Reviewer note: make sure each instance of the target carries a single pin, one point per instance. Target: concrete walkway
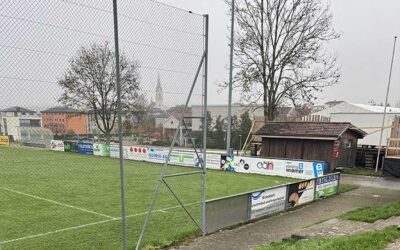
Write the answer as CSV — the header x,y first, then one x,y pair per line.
x,y
286,224
372,181
340,227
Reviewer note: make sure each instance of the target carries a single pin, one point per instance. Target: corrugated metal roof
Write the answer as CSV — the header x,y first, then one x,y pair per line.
x,y
377,109
347,108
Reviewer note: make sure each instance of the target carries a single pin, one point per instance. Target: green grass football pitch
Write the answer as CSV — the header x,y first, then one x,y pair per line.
x,y
56,200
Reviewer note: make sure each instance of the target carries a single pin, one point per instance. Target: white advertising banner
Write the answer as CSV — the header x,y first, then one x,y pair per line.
x,y
137,153
182,158
281,167
114,151
213,161
267,202
57,145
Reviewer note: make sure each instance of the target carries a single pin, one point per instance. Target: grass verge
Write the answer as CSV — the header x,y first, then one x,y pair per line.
x,y
372,214
361,171
373,240
343,188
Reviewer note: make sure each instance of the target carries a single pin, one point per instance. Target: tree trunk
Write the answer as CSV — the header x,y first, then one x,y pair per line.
x,y
108,137
265,103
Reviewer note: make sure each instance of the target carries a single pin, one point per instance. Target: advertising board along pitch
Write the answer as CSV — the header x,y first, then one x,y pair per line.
x,y
57,145
282,167
4,140
223,212
85,148
137,153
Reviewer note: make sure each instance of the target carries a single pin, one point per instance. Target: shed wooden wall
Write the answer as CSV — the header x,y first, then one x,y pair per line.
x,y
347,154
309,149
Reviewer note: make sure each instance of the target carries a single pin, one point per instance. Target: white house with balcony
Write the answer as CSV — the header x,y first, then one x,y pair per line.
x,y
15,117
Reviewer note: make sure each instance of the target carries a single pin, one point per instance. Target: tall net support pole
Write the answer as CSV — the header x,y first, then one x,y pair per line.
x,y
121,159
163,170
384,111
203,176
229,125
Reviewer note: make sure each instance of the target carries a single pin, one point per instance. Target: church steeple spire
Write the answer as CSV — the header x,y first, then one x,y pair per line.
x,y
159,93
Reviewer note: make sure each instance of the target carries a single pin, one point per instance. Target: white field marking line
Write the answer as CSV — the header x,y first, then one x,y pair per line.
x,y
56,202
162,210
57,231
90,224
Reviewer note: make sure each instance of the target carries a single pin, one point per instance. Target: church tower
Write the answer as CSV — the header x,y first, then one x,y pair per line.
x,y
159,93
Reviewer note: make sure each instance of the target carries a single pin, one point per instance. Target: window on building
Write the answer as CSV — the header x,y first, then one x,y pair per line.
x,y
24,122
35,123
5,126
351,143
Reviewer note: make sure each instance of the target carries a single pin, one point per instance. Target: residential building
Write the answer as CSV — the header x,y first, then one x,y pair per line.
x,y
63,120
12,119
171,124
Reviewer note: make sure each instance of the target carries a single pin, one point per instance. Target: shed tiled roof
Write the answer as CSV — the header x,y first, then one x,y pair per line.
x,y
308,129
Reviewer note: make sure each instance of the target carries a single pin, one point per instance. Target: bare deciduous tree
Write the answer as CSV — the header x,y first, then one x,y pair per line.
x,y
280,54
90,83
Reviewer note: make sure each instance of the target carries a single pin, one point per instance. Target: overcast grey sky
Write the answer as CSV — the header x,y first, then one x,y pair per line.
x,y
364,50
37,39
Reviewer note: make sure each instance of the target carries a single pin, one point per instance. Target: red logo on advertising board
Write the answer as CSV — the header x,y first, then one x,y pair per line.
x,y
138,150
335,154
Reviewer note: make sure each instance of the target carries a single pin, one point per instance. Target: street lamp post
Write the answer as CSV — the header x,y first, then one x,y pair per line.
x,y
240,144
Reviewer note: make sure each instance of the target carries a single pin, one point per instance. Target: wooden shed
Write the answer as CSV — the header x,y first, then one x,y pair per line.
x,y
333,142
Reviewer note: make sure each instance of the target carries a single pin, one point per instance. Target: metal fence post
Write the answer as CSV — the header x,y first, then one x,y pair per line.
x,y
121,159
229,123
384,110
203,176
315,188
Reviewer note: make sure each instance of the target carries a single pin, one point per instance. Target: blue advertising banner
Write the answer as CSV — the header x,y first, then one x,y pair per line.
x,y
85,148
